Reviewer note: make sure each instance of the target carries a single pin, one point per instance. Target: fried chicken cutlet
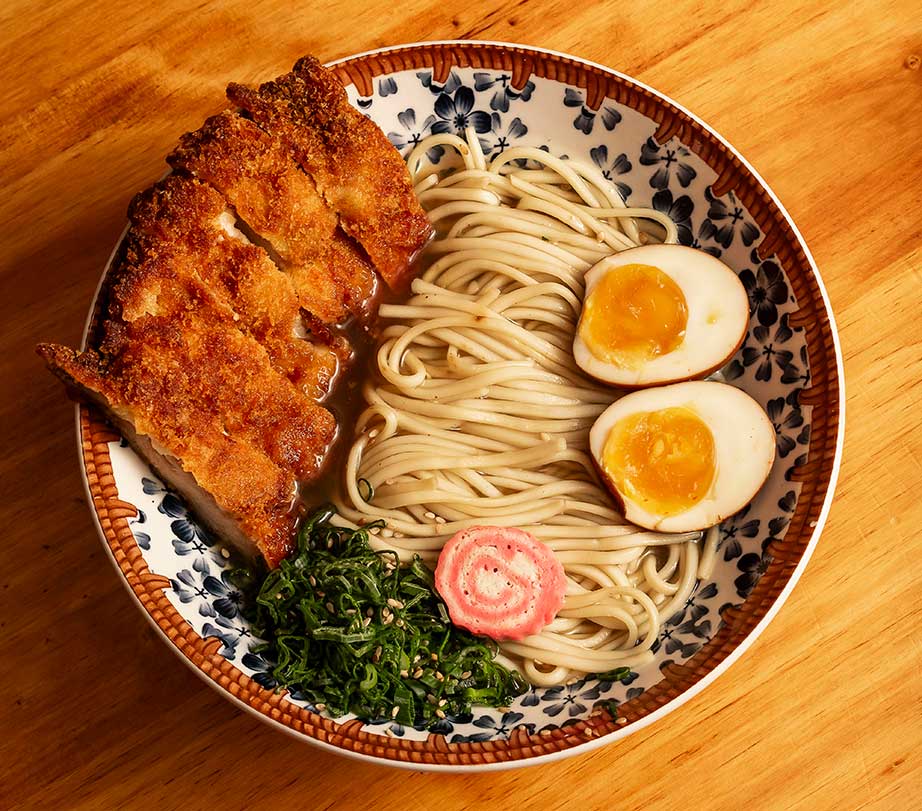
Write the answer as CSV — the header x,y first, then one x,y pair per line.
x,y
201,402
356,169
219,322
184,225
257,174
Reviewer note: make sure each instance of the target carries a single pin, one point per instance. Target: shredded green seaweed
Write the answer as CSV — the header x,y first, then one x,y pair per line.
x,y
352,631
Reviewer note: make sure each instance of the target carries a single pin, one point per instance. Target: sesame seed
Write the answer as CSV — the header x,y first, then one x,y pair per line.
x,y
376,656
466,674
404,674
439,676
545,733
443,702
373,433
400,623
321,707
388,619
370,612
394,603
225,552
312,580
429,515
350,612
416,658
434,657
504,710
389,732
330,607
366,622
440,713
395,712
431,698
621,721
417,673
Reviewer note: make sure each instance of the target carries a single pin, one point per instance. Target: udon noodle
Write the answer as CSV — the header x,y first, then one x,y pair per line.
x,y
480,415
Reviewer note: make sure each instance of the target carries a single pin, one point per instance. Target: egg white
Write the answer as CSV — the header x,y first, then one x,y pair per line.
x,y
718,314
744,449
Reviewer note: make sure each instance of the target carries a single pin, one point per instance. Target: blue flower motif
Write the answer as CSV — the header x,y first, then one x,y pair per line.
x,y
172,506
497,731
766,289
186,585
405,141
151,486
792,373
673,644
619,166
228,633
737,527
586,118
142,538
229,598
679,211
531,698
571,697
652,153
778,524
785,416
504,93
515,129
456,113
752,566
450,86
696,243
728,218
261,666
387,86
768,350
800,461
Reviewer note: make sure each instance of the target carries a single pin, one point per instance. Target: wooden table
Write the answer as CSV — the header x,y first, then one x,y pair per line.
x,y
825,711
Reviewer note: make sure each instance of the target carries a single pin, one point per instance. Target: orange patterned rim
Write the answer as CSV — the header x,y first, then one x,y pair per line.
x,y
817,474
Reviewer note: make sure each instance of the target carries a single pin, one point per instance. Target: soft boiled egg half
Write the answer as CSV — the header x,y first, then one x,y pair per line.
x,y
659,314
683,457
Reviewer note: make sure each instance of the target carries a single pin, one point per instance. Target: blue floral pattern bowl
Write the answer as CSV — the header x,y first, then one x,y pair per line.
x,y
657,155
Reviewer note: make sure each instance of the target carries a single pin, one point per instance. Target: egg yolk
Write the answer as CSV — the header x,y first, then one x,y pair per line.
x,y
662,460
634,314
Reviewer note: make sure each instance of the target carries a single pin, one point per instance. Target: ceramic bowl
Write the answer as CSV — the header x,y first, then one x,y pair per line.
x,y
658,155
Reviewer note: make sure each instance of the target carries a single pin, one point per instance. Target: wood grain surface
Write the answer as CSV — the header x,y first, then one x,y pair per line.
x,y
824,711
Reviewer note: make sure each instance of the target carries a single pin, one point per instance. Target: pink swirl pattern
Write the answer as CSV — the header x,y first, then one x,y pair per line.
x,y
500,582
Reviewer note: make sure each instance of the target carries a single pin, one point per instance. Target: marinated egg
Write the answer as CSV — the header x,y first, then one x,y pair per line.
x,y
683,457
659,314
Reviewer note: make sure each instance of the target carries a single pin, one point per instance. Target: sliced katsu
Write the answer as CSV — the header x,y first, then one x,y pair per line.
x,y
183,228
354,166
219,328
258,176
199,399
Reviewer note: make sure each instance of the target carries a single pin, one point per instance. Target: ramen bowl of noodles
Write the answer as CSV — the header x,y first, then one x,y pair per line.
x,y
476,405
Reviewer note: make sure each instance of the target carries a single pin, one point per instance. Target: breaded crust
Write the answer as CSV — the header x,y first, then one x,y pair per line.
x,y
251,489
257,174
183,226
184,341
355,168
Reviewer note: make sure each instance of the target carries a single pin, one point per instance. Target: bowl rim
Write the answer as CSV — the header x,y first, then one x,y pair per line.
x,y
669,706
